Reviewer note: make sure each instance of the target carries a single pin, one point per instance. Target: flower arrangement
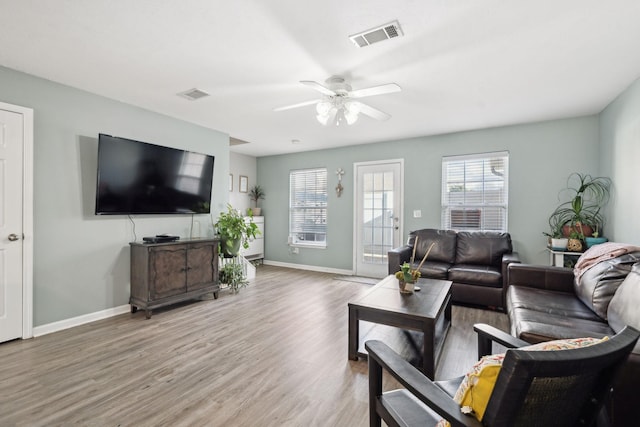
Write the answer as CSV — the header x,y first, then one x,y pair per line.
x,y
406,274
409,275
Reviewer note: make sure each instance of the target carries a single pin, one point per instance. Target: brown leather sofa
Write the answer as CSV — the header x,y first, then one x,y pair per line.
x,y
475,261
546,303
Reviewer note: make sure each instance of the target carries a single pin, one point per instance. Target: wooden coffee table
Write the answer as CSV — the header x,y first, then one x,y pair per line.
x,y
427,311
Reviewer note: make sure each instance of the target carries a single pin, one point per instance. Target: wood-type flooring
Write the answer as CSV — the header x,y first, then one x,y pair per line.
x,y
273,355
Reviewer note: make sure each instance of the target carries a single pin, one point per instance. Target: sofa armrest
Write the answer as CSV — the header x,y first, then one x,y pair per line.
x,y
506,260
559,279
398,256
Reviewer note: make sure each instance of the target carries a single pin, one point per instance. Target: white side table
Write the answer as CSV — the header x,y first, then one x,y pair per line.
x,y
556,258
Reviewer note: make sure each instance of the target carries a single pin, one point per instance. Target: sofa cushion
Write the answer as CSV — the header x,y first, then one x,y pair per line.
x,y
433,269
549,302
624,308
597,285
483,275
482,247
444,249
536,326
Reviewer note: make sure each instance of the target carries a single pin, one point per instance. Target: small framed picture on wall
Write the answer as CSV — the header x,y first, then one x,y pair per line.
x,y
244,184
230,182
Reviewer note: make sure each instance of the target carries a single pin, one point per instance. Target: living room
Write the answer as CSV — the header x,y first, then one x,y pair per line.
x,y
81,261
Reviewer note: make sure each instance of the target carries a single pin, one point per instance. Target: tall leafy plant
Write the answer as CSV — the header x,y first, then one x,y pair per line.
x,y
585,196
234,231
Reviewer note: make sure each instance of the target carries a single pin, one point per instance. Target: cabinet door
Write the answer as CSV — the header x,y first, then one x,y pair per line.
x,y
168,268
201,271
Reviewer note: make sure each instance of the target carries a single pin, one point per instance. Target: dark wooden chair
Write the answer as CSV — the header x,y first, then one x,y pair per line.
x,y
534,388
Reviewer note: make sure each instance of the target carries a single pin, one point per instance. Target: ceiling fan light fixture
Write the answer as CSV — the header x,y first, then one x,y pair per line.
x,y
340,117
351,112
323,108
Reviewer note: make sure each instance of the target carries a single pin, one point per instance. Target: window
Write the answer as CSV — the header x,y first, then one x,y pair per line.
x,y
308,207
475,192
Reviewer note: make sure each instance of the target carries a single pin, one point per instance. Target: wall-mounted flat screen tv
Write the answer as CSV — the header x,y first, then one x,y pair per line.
x,y
136,177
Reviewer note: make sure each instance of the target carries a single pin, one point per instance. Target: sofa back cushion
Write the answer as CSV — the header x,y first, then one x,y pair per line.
x,y
597,285
482,247
444,249
624,308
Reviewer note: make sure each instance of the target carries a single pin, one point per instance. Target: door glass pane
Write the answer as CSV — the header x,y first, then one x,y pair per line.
x,y
378,224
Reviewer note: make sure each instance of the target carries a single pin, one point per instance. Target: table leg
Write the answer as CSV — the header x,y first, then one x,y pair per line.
x,y
428,350
353,333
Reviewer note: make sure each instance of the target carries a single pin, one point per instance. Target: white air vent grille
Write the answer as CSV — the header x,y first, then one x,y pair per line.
x,y
193,94
378,34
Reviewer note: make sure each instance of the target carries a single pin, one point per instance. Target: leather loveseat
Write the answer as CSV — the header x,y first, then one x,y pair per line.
x,y
546,303
475,261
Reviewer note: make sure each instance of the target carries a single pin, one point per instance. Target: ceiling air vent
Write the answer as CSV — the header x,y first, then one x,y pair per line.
x,y
193,94
378,34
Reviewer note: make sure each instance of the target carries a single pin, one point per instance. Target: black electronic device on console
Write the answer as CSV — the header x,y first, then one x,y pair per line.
x,y
160,238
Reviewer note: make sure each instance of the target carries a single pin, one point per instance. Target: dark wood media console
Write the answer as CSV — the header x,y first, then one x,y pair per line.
x,y
172,272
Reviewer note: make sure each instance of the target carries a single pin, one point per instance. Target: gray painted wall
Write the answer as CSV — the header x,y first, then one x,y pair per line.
x,y
620,157
542,155
81,261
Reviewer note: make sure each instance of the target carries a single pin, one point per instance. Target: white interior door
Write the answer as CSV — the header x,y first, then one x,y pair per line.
x,y
11,227
378,210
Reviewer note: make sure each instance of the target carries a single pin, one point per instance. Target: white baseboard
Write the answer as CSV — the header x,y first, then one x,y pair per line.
x,y
309,267
110,312
80,320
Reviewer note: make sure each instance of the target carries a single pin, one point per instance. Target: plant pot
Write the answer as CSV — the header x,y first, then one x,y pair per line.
x,y
406,287
586,230
591,241
256,211
559,244
230,248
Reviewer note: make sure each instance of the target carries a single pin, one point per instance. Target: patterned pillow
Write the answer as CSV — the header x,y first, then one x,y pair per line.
x,y
476,387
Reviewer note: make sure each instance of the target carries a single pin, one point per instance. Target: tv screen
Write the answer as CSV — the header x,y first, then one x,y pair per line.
x,y
136,177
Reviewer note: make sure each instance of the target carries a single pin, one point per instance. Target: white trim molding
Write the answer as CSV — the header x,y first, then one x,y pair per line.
x,y
80,320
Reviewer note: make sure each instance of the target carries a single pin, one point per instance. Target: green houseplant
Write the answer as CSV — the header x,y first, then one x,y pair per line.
x,y
585,196
232,274
234,231
256,193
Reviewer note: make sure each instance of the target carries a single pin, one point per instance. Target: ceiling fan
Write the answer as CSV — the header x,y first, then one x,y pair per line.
x,y
338,103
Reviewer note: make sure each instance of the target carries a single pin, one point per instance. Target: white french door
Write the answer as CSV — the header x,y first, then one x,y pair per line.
x,y
378,214
16,133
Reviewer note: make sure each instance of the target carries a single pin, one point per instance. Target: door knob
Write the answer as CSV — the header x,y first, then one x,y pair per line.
x,y
12,237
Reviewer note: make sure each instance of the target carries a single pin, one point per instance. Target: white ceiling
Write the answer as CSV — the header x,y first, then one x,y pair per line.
x,y
462,64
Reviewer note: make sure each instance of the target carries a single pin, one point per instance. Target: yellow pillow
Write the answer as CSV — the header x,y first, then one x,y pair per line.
x,y
474,392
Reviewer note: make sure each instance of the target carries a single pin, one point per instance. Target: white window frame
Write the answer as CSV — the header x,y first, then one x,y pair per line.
x,y
486,162
304,208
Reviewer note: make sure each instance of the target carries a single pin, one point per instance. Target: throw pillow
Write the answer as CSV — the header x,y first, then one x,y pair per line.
x,y
623,309
475,390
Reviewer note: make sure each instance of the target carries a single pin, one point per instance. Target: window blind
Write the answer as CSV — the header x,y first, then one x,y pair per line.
x,y
308,207
475,192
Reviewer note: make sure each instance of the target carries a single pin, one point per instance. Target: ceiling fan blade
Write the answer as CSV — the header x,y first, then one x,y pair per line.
x,y
301,104
375,90
373,112
317,86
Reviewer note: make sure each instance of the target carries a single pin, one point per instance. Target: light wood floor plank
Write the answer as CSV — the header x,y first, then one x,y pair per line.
x,y
273,355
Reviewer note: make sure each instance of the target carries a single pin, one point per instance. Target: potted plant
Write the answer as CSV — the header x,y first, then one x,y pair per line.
x,y
234,231
585,197
232,274
256,193
557,240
